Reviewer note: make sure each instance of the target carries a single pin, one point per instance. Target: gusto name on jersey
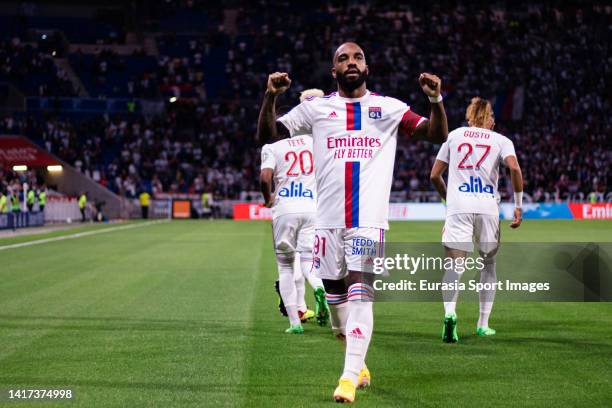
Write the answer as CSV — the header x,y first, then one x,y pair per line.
x,y
295,190
476,135
475,185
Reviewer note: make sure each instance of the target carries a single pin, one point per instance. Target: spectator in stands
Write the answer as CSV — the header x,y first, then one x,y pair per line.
x,y
203,141
33,71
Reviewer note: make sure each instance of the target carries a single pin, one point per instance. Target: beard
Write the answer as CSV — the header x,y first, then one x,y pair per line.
x,y
350,85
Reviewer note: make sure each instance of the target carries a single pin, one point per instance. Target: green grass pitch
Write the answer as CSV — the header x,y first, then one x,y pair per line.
x,y
184,314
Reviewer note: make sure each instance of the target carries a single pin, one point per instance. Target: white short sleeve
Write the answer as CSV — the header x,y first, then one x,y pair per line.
x,y
268,161
299,119
507,148
444,154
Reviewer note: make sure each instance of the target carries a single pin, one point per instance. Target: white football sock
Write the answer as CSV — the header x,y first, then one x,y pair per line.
x,y
306,266
359,325
338,308
300,286
287,287
450,296
486,297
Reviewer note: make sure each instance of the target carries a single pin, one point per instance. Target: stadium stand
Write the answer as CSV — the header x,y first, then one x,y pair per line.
x,y
539,65
32,69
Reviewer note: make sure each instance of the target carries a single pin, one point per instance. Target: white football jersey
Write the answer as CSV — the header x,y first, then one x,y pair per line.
x,y
473,156
354,142
294,176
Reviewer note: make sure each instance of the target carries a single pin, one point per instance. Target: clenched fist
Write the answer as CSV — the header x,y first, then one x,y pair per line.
x,y
278,83
430,83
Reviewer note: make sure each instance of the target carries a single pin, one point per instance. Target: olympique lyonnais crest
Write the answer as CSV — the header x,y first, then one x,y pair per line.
x,y
374,112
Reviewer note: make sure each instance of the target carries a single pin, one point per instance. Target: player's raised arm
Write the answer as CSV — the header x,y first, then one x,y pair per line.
x,y
435,129
517,186
278,83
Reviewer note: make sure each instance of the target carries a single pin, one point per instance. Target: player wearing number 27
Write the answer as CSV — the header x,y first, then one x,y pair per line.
x,y
473,155
354,134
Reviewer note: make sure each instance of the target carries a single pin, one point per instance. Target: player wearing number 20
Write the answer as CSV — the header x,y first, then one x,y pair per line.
x,y
473,155
289,164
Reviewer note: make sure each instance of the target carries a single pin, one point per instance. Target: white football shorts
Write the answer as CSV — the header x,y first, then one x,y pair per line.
x,y
293,233
462,230
336,251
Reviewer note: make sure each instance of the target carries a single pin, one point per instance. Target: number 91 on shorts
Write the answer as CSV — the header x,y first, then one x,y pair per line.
x,y
336,251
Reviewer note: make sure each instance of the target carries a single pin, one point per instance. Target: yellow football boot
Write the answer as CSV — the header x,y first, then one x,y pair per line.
x,y
345,391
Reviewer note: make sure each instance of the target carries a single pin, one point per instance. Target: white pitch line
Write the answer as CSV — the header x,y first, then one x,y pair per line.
x,y
80,235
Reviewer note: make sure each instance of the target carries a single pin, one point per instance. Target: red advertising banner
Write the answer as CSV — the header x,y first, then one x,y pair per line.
x,y
244,211
598,211
17,150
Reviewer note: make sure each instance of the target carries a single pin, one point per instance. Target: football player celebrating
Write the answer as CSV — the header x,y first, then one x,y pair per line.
x,y
354,134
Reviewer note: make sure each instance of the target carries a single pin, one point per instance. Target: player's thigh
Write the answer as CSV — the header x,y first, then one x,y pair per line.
x,y
487,233
458,232
361,247
305,235
284,230
328,254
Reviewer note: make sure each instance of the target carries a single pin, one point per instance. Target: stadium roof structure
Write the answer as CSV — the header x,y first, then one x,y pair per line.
x,y
19,151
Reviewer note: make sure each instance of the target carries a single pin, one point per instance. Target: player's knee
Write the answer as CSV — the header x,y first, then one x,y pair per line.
x,y
283,247
354,277
488,258
488,250
285,260
334,286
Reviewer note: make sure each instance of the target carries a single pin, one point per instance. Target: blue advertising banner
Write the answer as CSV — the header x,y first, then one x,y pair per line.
x,y
538,211
21,220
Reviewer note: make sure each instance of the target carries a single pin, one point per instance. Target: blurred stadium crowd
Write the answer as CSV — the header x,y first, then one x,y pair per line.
x,y
546,68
